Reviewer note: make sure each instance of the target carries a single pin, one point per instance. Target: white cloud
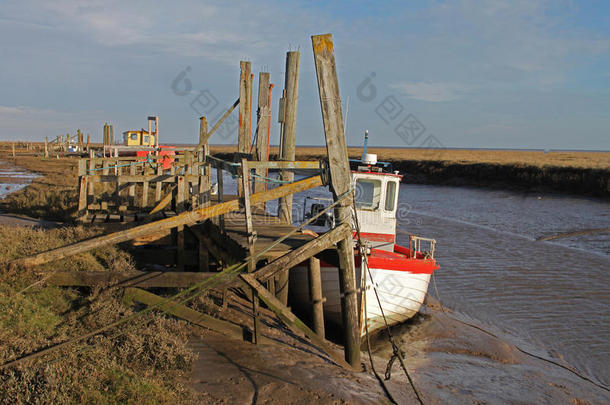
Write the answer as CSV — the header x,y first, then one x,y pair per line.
x,y
225,31
431,91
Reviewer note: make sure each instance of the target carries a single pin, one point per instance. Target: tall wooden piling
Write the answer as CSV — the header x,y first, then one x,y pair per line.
x,y
46,146
287,151
245,106
315,295
340,178
204,178
262,128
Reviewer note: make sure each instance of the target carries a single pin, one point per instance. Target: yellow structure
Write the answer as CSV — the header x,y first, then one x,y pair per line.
x,y
139,138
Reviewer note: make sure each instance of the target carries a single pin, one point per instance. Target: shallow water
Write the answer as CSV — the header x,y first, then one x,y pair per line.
x,y
13,179
548,297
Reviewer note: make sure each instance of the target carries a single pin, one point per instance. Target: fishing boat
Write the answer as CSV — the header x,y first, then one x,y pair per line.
x,y
393,279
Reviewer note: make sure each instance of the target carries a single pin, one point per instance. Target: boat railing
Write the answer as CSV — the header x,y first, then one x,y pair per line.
x,y
416,243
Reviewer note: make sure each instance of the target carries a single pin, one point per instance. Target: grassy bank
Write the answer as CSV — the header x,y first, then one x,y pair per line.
x,y
142,363
565,172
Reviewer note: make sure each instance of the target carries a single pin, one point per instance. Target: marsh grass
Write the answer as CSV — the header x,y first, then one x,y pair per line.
x,y
141,362
585,160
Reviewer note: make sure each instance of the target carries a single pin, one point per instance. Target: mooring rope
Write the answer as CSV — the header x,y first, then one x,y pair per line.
x,y
397,353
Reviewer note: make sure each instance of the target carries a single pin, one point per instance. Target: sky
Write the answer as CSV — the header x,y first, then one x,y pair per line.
x,y
463,73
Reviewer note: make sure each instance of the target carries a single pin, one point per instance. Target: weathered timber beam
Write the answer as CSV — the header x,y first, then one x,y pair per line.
x,y
222,164
185,218
164,202
184,312
141,279
303,252
123,178
206,138
294,323
296,165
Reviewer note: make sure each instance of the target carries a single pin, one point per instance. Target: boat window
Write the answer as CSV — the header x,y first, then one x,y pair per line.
x,y
390,196
146,139
368,194
134,137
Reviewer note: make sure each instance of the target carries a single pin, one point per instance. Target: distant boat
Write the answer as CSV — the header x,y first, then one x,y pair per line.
x,y
398,276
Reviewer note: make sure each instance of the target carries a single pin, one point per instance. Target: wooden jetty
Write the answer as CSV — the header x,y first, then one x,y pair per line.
x,y
227,241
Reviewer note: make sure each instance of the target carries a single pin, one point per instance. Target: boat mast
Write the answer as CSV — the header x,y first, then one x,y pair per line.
x,y
366,143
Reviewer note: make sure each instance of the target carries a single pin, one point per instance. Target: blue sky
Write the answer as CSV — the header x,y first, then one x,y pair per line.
x,y
464,73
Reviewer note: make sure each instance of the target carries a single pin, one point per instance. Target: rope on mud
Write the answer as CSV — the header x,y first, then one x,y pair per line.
x,y
397,353
571,370
198,288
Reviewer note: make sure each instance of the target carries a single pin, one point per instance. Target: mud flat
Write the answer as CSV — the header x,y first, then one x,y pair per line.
x,y
449,362
558,171
452,362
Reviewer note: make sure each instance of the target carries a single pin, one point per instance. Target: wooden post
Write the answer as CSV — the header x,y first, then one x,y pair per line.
x,y
46,146
82,190
221,197
79,135
132,186
13,149
158,184
204,179
91,190
287,151
245,106
111,135
88,142
245,180
262,132
180,259
145,191
315,295
340,177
